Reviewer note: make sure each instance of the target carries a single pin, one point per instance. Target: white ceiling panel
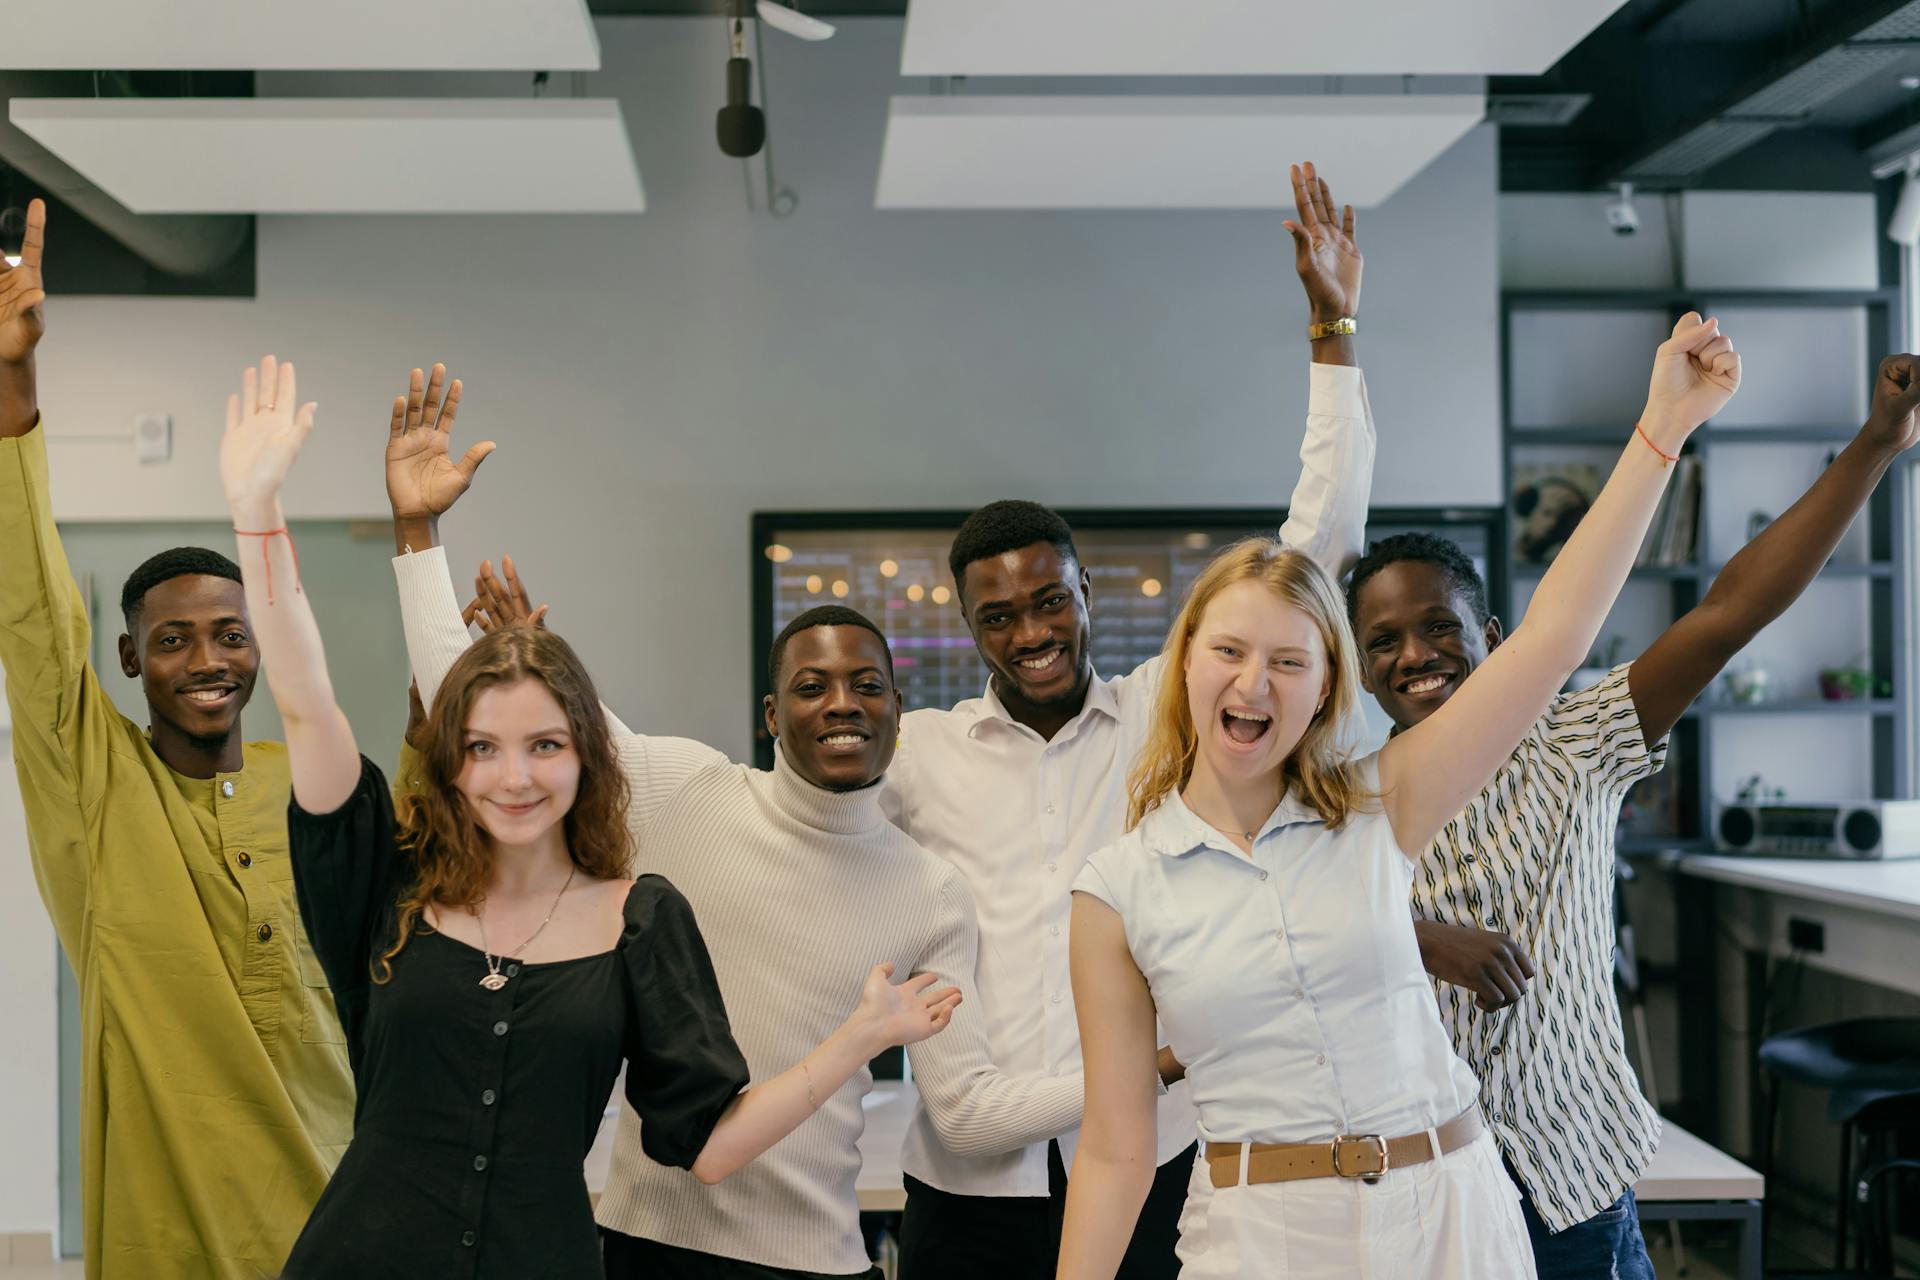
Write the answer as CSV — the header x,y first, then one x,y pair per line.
x,y
1243,37
1156,152
312,35
340,155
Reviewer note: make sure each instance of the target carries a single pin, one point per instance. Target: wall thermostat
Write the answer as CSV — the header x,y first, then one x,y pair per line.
x,y
153,437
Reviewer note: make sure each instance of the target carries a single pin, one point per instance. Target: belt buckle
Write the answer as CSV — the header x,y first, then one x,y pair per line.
x,y
1365,1142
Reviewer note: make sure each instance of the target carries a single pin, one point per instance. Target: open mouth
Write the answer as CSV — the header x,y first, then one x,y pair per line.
x,y
1427,685
210,695
843,740
1245,727
1041,664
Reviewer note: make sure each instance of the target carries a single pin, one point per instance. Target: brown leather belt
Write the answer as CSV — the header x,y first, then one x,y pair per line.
x,y
1354,1155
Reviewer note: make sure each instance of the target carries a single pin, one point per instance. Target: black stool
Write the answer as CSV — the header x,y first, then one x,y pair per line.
x,y
1865,1205
1870,1068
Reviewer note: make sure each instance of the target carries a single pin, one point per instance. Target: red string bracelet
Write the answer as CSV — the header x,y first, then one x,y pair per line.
x,y
1668,458
267,562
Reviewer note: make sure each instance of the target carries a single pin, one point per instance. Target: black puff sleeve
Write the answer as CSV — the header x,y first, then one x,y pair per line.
x,y
345,877
683,1067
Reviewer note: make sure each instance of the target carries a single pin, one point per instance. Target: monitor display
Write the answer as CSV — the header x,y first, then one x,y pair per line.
x,y
893,568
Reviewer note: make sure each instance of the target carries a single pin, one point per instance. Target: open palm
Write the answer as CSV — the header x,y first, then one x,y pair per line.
x,y
906,1012
264,435
422,480
22,316
1325,252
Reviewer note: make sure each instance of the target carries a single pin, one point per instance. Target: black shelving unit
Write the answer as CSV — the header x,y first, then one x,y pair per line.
x,y
1884,571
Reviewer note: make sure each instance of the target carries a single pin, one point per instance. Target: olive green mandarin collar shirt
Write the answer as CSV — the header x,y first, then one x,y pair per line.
x,y
215,1095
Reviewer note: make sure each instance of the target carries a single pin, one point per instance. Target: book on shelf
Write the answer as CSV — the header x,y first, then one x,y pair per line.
x,y
1673,536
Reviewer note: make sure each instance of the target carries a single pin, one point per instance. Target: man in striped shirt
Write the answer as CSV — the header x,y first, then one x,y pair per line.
x,y
1527,869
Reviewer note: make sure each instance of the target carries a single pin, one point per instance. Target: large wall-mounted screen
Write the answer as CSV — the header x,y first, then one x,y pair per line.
x,y
892,566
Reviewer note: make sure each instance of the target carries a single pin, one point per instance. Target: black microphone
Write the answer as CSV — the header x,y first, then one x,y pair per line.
x,y
741,126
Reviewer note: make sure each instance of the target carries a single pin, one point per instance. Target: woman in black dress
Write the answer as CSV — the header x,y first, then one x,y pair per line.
x,y
482,1074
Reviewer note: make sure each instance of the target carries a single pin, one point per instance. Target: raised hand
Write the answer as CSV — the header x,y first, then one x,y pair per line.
x,y
263,437
415,734
1896,392
22,317
496,604
1695,373
905,1012
422,481
1324,251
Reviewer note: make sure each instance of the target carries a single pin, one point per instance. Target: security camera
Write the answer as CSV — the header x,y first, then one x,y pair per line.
x,y
1621,215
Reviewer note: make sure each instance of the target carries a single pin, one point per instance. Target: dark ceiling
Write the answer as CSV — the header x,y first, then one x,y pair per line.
x,y
1658,69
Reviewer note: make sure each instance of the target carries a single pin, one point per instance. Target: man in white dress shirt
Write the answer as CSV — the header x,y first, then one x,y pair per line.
x,y
1017,787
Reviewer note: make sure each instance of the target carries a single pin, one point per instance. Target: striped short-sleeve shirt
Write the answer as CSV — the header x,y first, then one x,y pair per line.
x,y
1532,856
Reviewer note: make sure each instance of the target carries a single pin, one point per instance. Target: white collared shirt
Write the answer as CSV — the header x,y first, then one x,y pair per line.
x,y
1287,980
1019,815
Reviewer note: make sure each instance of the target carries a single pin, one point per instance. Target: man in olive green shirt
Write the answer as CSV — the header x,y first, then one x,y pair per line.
x,y
215,1094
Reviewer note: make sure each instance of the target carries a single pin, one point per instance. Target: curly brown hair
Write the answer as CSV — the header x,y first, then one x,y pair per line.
x,y
450,852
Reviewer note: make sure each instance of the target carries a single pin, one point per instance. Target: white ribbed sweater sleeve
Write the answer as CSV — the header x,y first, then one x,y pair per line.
x,y
656,767
975,1108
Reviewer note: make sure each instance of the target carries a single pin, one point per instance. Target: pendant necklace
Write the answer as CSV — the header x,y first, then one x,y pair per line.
x,y
496,979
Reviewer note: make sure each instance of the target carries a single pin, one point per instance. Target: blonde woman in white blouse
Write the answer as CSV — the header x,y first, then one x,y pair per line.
x,y
1257,906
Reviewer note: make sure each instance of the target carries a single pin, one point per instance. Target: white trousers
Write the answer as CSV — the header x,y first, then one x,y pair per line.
x,y
1455,1218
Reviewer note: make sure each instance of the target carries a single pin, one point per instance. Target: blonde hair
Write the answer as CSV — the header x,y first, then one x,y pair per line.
x,y
1316,768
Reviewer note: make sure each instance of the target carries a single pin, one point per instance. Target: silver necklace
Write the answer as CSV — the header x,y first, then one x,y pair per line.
x,y
496,979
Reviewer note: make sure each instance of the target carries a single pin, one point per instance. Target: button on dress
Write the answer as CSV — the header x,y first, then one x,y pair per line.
x,y
476,1107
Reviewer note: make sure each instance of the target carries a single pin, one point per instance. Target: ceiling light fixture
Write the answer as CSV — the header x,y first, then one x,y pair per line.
x,y
790,20
1903,227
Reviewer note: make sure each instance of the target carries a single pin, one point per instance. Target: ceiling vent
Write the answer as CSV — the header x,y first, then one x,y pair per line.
x,y
1536,110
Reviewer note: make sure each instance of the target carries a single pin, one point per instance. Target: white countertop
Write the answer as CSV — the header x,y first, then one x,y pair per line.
x,y
1890,887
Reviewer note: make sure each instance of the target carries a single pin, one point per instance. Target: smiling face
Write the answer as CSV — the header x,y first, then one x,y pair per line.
x,y
834,707
1027,610
192,651
1419,637
1257,672
520,771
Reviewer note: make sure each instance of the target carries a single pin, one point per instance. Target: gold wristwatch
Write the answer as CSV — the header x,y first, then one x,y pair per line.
x,y
1328,328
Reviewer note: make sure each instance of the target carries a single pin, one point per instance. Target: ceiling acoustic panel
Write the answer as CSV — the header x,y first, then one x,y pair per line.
x,y
342,155
1156,152
299,35
1243,37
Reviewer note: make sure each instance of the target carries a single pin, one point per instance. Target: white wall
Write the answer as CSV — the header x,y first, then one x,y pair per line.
x,y
29,1083
654,380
